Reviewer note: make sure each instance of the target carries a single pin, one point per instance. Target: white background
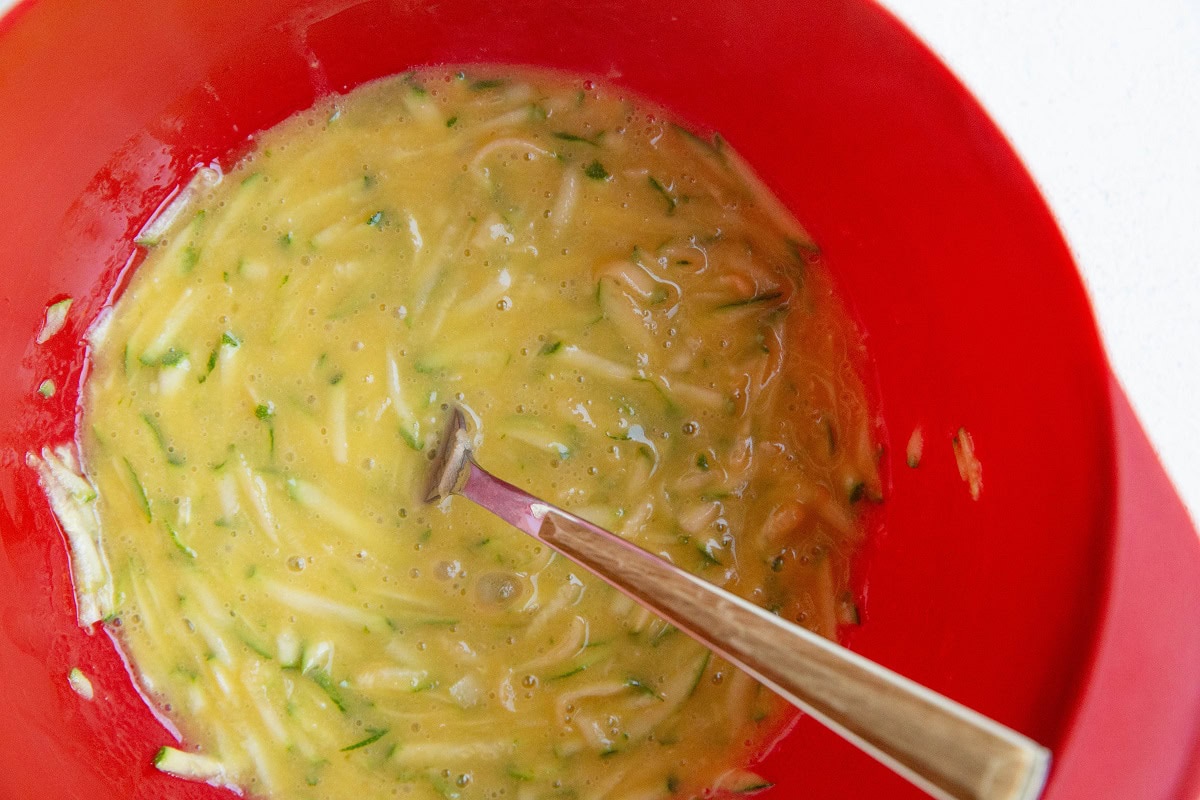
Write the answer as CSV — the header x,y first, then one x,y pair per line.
x,y
1102,101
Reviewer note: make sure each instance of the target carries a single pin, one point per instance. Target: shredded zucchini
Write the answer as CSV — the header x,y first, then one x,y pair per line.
x,y
638,336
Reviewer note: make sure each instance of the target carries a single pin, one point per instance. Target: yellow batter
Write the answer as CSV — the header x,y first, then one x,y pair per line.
x,y
644,341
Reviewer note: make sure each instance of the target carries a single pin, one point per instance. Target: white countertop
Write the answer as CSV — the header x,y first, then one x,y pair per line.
x,y
1101,99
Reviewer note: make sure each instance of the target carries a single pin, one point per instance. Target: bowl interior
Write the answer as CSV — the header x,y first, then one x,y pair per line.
x,y
936,236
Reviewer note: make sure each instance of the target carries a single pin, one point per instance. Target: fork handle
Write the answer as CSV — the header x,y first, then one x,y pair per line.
x,y
948,750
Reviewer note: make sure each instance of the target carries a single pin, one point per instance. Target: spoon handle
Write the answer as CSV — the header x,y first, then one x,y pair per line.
x,y
950,751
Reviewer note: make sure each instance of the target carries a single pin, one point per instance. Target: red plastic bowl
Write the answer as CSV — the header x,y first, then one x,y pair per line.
x,y
1062,603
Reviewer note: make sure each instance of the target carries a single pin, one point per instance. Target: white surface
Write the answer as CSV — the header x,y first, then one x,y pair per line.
x,y
1101,100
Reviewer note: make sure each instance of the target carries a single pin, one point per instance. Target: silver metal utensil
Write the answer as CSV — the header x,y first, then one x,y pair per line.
x,y
943,747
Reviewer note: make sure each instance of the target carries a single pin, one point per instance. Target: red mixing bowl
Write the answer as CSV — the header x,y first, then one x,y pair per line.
x,y
1062,602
